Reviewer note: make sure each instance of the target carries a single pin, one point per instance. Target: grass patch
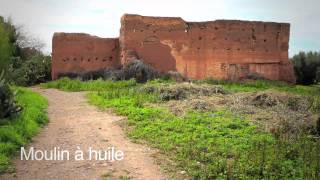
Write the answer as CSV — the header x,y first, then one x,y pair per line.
x,y
18,130
214,144
261,85
67,84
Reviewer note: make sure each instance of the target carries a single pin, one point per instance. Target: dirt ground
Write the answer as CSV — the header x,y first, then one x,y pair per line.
x,y
73,123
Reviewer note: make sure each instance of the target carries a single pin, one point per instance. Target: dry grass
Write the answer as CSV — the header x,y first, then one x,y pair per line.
x,y
283,114
279,113
182,91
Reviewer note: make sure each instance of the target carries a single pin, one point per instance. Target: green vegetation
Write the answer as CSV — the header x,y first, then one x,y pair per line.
x,y
18,130
67,84
262,85
33,71
135,69
22,112
21,57
211,144
5,46
311,92
124,178
307,67
8,105
109,176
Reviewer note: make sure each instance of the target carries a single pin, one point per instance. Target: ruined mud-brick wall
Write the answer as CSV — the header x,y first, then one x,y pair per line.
x,y
79,53
222,49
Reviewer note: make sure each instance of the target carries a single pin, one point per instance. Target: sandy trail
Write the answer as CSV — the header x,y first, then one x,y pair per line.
x,y
73,123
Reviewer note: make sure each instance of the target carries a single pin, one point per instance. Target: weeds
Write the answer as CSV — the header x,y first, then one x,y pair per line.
x,y
8,106
21,128
136,69
181,91
107,176
124,178
261,85
214,143
207,144
97,85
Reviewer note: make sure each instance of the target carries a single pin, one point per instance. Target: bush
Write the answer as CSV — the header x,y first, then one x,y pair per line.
x,y
21,56
175,76
139,71
8,105
181,91
33,71
134,70
106,74
255,76
318,126
318,75
306,66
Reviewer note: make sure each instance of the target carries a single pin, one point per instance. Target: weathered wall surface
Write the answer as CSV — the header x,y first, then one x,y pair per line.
x,y
78,53
223,49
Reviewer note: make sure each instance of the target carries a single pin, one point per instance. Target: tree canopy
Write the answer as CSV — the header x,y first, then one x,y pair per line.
x,y
307,67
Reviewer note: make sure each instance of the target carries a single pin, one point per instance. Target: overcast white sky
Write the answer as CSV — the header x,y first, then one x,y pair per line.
x,y
42,18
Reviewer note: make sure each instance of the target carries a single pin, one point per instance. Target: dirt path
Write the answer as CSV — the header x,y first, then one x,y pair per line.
x,y
73,122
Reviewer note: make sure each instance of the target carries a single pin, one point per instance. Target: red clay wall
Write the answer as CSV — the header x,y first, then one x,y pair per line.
x,y
223,49
78,53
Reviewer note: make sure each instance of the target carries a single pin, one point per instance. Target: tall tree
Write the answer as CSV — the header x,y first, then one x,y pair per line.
x,y
5,46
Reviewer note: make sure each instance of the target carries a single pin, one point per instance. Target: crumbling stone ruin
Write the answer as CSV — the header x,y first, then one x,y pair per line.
x,y
221,49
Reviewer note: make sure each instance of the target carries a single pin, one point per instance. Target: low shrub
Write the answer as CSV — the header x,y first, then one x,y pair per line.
x,y
33,71
175,76
140,71
106,74
8,106
255,76
136,69
318,126
264,100
306,66
181,91
318,75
